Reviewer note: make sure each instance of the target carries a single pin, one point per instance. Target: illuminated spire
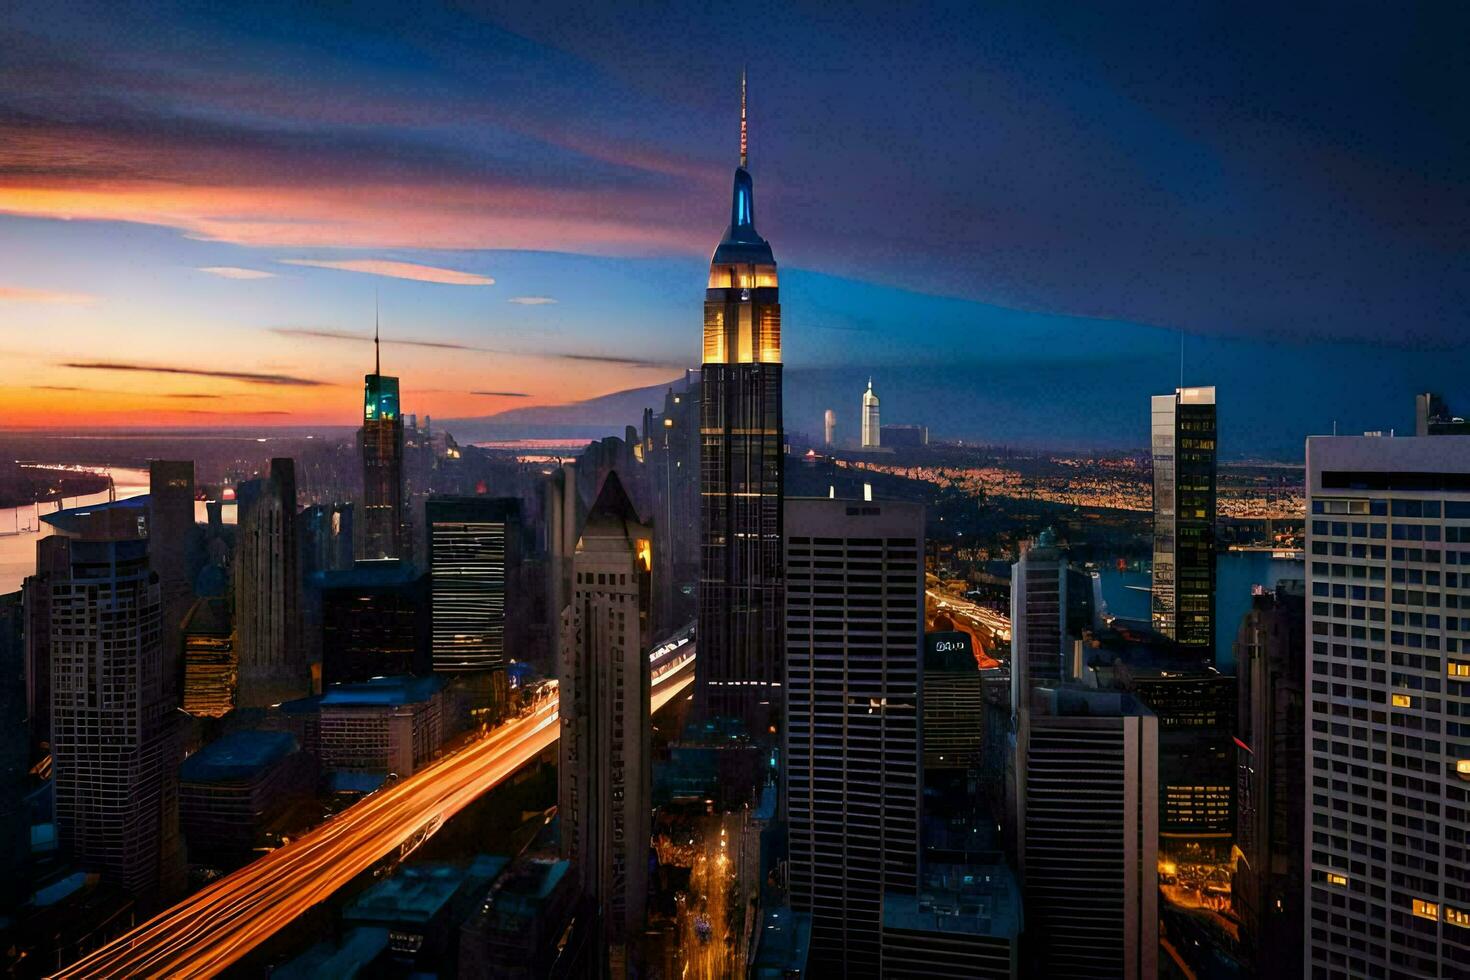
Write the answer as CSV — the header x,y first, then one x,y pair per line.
x,y
377,349
743,143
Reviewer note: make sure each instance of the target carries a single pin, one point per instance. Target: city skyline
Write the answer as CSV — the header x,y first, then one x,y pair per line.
x,y
499,218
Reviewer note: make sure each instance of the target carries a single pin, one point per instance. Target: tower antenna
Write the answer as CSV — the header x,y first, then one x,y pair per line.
x,y
377,349
744,145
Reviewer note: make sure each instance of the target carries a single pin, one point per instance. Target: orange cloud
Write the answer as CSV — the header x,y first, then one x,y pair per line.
x,y
399,270
18,294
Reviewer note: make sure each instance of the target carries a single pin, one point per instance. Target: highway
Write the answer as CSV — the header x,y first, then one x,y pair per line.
x,y
207,932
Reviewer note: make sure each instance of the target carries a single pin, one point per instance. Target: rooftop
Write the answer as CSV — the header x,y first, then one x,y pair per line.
x,y
417,893
385,691
86,519
979,900
359,949
236,756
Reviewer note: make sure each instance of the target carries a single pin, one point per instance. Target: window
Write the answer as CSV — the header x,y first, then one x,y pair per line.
x,y
1426,910
1457,917
1336,879
1403,701
1458,668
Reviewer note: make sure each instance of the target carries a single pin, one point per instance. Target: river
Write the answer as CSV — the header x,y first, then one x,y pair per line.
x,y
1235,573
18,550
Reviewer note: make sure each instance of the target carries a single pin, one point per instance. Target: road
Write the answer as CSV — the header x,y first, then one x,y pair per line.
x,y
210,930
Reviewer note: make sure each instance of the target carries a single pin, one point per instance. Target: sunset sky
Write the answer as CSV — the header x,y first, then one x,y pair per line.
x,y
198,204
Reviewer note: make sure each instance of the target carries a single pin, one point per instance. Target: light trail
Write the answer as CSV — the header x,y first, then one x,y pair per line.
x,y
217,926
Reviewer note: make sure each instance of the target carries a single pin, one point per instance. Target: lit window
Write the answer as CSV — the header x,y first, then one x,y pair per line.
x,y
1402,701
1457,917
1336,879
1426,910
1462,768
1459,668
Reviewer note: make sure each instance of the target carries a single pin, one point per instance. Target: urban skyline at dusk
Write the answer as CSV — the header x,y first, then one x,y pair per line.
x,y
527,206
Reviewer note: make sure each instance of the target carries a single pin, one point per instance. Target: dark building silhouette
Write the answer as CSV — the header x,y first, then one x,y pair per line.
x,y
14,753
1184,452
381,441
52,560
374,621
1270,659
267,581
1432,417
739,670
326,538
671,442
170,537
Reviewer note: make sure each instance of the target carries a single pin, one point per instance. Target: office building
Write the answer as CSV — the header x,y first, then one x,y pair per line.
x,y
1087,826
236,789
515,932
418,906
1432,417
1184,452
671,459
904,436
384,726
1388,708
267,582
606,792
474,549
326,538
854,652
872,431
741,474
15,751
954,704
382,514
114,745
1266,888
964,923
374,621
211,668
829,428
1039,644
170,535
53,562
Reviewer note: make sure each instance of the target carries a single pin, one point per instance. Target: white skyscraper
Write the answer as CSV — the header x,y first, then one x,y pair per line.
x,y
829,428
871,435
1388,709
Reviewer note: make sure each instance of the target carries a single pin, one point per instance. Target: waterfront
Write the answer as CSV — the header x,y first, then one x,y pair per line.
x,y
18,550
1236,572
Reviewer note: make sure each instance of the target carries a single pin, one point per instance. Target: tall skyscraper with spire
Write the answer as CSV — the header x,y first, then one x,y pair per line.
x,y
741,479
382,463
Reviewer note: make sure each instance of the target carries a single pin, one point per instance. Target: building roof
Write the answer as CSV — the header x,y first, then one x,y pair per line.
x,y
239,755
86,519
977,900
209,616
373,574
359,949
416,893
386,691
741,244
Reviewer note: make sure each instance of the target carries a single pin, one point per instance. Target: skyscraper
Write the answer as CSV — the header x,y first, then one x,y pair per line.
x,y
671,456
267,581
1087,844
606,764
1266,889
382,517
170,527
114,744
474,544
872,430
1184,517
854,626
1038,616
741,473
1388,682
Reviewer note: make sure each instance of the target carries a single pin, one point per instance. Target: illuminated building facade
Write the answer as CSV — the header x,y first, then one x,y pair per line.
x,y
854,655
1184,452
382,517
741,475
872,431
829,428
210,665
606,769
474,546
1387,818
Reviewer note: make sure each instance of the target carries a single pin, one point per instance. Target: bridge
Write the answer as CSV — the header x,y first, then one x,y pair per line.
x,y
217,926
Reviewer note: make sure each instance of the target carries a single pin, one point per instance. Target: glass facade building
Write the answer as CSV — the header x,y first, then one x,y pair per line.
x,y
473,543
382,470
1184,453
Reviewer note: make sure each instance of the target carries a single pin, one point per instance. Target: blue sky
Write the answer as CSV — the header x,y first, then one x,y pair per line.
x,y
1051,190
